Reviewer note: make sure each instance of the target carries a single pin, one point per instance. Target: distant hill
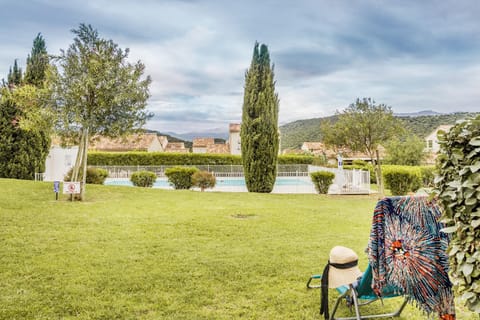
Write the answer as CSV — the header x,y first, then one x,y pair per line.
x,y
419,114
293,134
170,138
215,133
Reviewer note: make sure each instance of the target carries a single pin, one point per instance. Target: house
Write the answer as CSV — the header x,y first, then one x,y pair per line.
x,y
218,148
148,142
200,145
315,148
234,139
59,161
431,141
176,147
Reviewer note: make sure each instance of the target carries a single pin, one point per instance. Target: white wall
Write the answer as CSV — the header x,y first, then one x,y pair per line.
x,y
58,162
234,142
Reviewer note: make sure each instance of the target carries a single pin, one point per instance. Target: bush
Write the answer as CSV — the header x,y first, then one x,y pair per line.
x,y
457,185
94,175
180,177
428,176
402,179
203,180
186,159
322,180
144,179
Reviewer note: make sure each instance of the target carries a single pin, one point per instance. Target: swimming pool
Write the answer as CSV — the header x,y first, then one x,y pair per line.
x,y
282,184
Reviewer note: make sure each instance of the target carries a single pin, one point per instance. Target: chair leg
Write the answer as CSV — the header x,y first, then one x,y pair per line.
x,y
355,302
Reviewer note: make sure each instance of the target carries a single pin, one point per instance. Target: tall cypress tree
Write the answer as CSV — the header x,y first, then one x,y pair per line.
x,y
15,76
259,130
37,62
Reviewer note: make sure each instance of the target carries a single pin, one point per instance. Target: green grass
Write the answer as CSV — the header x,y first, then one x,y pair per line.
x,y
133,253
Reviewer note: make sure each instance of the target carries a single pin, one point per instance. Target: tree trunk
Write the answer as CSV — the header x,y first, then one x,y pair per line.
x,y
83,185
381,191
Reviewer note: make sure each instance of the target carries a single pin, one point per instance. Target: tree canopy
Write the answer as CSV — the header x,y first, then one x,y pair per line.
x,y
37,63
259,129
97,92
363,126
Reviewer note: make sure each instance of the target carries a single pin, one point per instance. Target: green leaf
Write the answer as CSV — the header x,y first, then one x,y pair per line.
x,y
474,168
475,142
449,229
467,269
475,223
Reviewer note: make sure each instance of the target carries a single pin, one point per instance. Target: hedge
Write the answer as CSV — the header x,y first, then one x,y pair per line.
x,y
402,179
164,158
458,188
94,175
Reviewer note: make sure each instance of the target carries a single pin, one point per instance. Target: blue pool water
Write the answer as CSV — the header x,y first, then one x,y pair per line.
x,y
221,182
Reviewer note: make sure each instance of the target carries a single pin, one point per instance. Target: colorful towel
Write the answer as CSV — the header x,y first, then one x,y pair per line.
x,y
407,250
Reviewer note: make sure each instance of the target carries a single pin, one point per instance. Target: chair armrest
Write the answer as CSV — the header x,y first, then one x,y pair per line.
x,y
314,277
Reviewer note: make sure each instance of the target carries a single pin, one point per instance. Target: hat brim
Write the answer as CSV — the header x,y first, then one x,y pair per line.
x,y
340,277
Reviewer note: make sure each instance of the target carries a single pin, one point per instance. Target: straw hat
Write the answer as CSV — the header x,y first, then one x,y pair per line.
x,y
343,269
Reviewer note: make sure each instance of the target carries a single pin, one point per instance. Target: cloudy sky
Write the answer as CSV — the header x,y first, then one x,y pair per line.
x,y
411,55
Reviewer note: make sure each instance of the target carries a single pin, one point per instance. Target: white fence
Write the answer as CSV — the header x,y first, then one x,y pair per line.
x,y
347,181
284,170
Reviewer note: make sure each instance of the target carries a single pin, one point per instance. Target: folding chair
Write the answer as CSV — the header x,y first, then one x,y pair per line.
x,y
359,294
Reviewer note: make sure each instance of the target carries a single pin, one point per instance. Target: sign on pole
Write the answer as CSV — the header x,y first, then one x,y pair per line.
x,y
71,187
56,188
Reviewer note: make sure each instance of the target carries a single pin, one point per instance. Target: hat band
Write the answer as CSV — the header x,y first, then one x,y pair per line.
x,y
324,295
347,265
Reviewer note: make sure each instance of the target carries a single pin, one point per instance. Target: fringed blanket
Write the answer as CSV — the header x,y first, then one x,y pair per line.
x,y
407,250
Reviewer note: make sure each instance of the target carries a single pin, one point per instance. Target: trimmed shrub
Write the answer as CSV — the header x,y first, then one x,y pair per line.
x,y
94,175
187,159
203,180
428,176
458,188
402,179
322,180
144,179
180,177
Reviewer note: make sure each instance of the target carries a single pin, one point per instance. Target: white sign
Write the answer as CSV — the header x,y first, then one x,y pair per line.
x,y
71,187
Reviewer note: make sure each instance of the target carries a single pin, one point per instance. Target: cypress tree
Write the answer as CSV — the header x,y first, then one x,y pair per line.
x,y
15,76
37,62
259,129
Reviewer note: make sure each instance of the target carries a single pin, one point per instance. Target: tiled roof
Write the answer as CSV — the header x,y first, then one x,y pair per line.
x,y
135,142
314,145
176,147
220,148
203,142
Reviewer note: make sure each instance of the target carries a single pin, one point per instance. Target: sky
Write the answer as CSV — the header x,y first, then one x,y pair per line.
x,y
410,55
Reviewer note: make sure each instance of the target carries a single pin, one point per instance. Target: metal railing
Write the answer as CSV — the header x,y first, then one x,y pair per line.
x,y
284,170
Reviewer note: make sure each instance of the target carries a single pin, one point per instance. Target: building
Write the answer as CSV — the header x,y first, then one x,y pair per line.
x,y
200,145
176,147
431,141
234,139
315,148
148,142
218,148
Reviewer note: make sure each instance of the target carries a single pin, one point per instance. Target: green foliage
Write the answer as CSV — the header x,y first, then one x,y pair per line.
x,y
37,63
428,175
15,76
180,177
402,179
322,180
259,131
297,132
458,188
144,179
203,180
164,158
406,151
94,175
363,126
98,92
22,151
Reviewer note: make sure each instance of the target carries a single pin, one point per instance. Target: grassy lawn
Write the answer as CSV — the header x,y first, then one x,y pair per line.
x,y
132,253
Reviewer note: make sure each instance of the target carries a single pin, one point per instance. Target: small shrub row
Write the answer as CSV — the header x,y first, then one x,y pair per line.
x,y
322,180
180,177
184,159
